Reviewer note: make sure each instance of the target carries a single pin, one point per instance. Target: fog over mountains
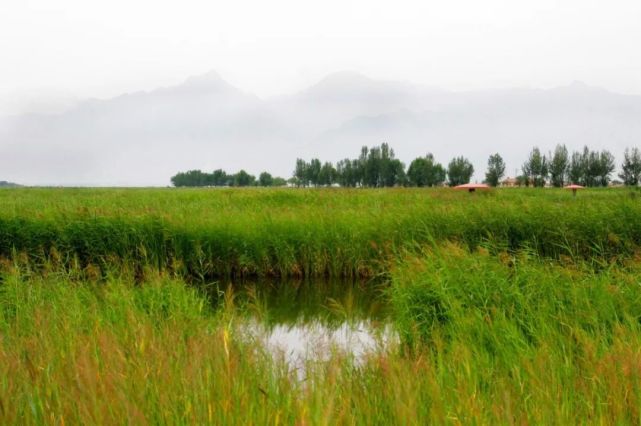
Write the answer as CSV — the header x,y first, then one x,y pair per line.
x,y
144,138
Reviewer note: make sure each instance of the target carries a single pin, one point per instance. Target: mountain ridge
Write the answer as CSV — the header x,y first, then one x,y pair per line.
x,y
204,122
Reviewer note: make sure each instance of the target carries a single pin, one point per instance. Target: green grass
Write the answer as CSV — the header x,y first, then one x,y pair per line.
x,y
78,351
515,306
510,303
208,233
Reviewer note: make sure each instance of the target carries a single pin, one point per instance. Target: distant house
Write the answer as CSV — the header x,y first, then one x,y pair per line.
x,y
509,182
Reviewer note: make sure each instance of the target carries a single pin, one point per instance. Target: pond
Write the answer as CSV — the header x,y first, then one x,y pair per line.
x,y
299,321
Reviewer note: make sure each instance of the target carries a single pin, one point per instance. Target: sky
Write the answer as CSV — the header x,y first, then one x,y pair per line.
x,y
56,50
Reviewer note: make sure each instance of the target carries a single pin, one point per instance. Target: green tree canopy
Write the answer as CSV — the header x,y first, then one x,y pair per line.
x,y
631,167
242,178
559,165
536,168
459,171
425,171
495,170
265,179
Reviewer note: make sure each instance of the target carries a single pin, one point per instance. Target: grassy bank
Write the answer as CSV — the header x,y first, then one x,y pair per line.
x,y
209,233
510,303
79,351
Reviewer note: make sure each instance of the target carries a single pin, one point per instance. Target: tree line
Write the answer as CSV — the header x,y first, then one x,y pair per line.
x,y
378,167
221,178
585,167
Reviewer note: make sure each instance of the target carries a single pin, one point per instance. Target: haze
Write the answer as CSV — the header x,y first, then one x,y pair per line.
x,y
57,54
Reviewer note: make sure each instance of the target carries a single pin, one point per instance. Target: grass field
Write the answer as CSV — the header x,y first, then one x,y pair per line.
x,y
514,306
215,233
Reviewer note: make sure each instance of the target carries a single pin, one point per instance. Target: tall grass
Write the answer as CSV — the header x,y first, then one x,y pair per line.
x,y
516,306
73,350
209,233
549,342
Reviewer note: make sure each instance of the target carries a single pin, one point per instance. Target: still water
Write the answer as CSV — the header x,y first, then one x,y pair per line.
x,y
310,320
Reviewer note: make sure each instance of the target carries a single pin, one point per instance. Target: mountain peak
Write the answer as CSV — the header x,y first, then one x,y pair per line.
x,y
342,79
207,80
578,86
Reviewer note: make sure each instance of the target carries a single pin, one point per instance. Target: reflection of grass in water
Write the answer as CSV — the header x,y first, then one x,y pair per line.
x,y
292,302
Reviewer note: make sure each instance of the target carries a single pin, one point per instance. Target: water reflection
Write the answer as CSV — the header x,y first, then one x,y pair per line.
x,y
300,321
299,343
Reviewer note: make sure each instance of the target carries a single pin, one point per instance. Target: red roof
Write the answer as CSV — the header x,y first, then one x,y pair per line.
x,y
573,186
472,186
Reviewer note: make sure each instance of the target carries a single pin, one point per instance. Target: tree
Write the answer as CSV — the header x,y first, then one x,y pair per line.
x,y
577,168
605,168
300,172
391,170
424,171
190,178
631,167
495,170
559,165
459,171
373,167
265,179
279,181
522,180
220,178
312,172
591,168
536,168
345,173
242,178
327,175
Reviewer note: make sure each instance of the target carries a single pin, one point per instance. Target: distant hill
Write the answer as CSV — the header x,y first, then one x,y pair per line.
x,y
143,138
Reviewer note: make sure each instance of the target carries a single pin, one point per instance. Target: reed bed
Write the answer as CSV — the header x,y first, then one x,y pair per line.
x,y
79,351
512,306
208,233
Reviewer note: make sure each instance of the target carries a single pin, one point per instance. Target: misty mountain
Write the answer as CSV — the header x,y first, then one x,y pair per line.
x,y
5,184
143,138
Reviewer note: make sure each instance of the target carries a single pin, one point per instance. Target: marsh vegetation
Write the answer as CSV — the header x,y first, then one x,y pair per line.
x,y
161,306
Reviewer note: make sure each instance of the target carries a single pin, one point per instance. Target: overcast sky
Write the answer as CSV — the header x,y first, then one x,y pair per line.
x,y
88,48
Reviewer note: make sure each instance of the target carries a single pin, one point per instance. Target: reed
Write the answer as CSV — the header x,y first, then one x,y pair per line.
x,y
208,233
75,350
513,306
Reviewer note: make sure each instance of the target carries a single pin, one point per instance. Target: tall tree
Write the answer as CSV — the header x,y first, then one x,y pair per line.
x,y
327,174
606,168
300,172
265,179
345,175
279,181
242,178
220,178
559,165
392,170
425,171
190,178
591,168
577,168
312,171
631,167
536,168
495,170
459,171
